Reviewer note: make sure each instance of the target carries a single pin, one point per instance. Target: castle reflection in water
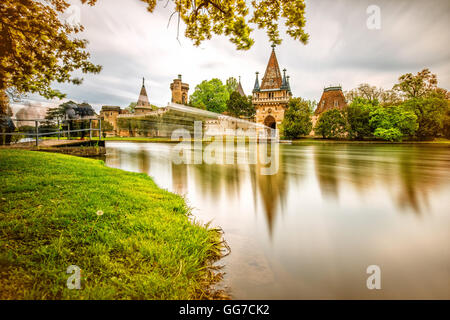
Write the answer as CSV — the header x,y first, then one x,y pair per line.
x,y
406,171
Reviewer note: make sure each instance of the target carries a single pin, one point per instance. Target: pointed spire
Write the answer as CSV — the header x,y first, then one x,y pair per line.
x,y
272,77
143,98
287,83
256,87
239,88
284,85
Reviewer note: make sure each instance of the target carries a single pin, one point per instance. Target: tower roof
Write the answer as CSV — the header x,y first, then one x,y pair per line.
x,y
272,77
239,88
256,86
332,97
143,98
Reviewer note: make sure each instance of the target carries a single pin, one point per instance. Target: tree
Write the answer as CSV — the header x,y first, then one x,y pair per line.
x,y
131,107
297,119
393,123
373,94
446,123
71,111
106,127
364,91
238,106
430,114
211,95
231,84
331,124
38,48
390,134
416,86
357,115
205,17
229,18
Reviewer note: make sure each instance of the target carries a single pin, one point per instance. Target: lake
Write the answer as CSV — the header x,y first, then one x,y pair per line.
x,y
331,210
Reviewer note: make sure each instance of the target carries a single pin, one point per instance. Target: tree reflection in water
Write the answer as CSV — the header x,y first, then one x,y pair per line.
x,y
328,212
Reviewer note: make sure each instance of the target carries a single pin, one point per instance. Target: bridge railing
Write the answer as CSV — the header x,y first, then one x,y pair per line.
x,y
35,129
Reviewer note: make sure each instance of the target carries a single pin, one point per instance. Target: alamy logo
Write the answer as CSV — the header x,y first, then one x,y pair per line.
x,y
373,22
74,281
224,149
374,280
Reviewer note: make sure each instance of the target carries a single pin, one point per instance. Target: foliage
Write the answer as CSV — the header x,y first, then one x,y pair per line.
x,y
205,17
446,123
430,114
238,106
70,110
211,95
331,124
231,85
357,115
391,134
297,119
131,107
373,94
416,86
393,122
106,127
38,48
142,246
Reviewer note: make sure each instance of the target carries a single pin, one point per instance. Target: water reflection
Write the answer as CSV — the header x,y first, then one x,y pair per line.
x,y
311,229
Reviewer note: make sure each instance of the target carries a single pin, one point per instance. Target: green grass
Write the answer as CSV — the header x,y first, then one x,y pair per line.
x,y
144,246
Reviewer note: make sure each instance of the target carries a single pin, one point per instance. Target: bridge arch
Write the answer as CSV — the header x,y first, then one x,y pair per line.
x,y
270,122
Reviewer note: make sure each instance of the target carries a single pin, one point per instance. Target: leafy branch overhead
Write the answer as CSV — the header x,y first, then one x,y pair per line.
x,y
232,18
38,48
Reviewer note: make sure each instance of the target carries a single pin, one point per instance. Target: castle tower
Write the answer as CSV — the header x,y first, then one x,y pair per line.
x,y
109,114
179,91
143,105
271,98
332,97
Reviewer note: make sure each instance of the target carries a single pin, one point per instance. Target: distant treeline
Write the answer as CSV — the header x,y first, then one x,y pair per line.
x,y
415,108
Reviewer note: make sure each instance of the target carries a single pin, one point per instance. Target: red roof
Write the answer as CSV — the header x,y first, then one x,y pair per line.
x,y
272,77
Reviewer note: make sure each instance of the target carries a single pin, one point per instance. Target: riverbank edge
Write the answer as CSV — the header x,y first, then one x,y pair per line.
x,y
207,274
316,140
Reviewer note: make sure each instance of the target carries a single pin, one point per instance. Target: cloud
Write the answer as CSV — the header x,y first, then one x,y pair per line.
x,y
131,43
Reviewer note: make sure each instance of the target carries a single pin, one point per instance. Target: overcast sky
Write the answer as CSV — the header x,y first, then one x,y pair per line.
x,y
131,43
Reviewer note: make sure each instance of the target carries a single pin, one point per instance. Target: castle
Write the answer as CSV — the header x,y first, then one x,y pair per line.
x,y
272,97
112,114
270,100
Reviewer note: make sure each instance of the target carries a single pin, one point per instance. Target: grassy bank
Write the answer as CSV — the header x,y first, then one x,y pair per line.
x,y
143,246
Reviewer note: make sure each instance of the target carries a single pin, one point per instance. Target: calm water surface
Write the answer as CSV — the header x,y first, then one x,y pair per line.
x,y
312,229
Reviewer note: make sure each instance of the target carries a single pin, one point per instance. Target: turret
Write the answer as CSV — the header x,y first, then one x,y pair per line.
x,y
256,87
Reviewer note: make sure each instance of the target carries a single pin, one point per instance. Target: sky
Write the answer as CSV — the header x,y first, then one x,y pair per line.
x,y
131,43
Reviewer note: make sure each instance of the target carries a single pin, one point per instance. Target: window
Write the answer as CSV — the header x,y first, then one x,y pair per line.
x,y
336,103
